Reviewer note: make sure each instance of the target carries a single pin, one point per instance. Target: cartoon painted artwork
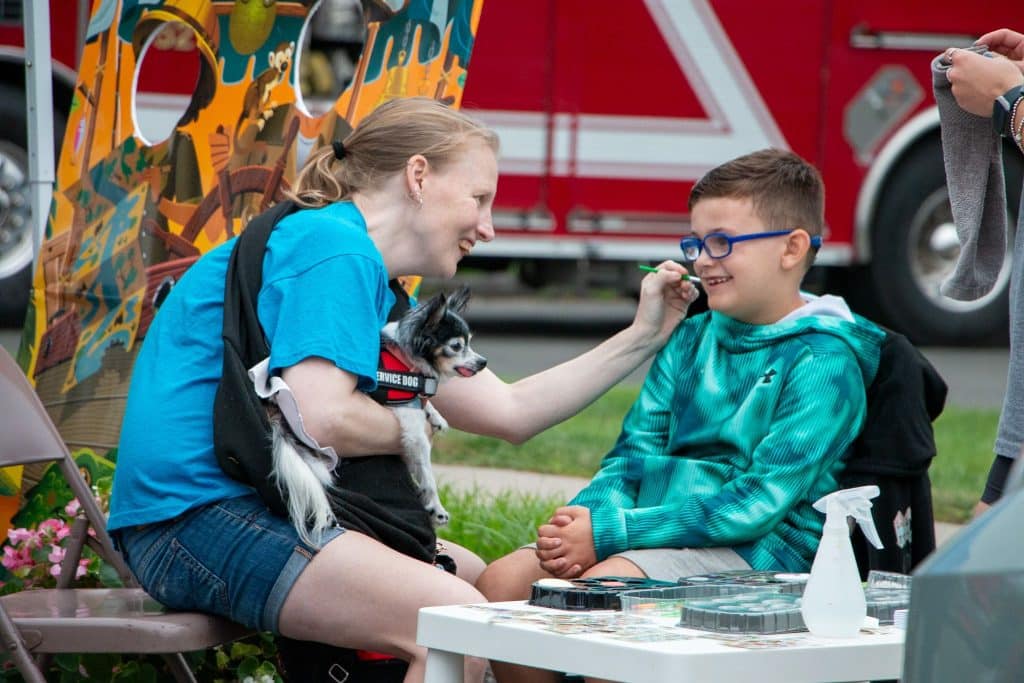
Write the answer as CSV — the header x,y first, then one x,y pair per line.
x,y
129,217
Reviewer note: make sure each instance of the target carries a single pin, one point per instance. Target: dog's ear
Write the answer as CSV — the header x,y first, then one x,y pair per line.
x,y
457,301
435,310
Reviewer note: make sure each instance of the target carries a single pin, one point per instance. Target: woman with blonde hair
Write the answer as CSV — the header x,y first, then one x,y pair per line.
x,y
409,191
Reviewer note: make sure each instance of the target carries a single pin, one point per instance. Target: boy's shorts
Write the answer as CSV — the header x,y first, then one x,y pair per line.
x,y
233,558
672,564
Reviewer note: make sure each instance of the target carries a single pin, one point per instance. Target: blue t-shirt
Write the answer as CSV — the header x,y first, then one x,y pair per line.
x,y
325,293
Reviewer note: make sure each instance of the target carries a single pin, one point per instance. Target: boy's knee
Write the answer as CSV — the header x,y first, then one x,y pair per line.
x,y
510,577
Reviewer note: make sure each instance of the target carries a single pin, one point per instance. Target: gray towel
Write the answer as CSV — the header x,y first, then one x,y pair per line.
x,y
973,156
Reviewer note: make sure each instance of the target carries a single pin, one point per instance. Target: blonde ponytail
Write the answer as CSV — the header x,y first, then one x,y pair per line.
x,y
381,145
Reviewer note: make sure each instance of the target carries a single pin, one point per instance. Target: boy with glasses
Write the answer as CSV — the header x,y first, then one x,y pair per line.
x,y
745,415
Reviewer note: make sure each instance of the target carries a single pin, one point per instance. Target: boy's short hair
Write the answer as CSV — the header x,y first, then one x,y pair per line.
x,y
786,191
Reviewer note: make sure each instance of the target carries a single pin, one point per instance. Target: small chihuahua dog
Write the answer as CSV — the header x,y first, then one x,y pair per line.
x,y
433,341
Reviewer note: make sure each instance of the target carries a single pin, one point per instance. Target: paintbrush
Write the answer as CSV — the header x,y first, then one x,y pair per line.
x,y
692,278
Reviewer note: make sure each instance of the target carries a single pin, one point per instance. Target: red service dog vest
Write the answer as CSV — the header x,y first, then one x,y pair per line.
x,y
397,383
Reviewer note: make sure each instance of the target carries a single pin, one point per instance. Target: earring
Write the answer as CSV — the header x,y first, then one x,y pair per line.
x,y
417,197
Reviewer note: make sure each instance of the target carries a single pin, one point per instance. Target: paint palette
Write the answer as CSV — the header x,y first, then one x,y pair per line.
x,y
755,602
594,593
664,605
760,612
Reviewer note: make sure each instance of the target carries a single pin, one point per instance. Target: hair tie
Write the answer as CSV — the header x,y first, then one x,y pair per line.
x,y
339,149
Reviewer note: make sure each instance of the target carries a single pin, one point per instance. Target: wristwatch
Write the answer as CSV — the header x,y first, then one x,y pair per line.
x,y
1002,108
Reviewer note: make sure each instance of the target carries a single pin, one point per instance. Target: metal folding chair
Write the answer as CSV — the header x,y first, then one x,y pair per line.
x,y
37,623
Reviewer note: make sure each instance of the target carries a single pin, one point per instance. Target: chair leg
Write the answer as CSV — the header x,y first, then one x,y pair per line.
x,y
18,652
179,668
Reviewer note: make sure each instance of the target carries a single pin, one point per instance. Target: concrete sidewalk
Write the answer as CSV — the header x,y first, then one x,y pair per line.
x,y
493,480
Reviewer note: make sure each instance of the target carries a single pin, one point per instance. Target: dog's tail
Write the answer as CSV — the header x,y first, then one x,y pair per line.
x,y
302,478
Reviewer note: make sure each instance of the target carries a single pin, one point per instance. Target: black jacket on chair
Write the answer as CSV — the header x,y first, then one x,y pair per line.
x,y
894,451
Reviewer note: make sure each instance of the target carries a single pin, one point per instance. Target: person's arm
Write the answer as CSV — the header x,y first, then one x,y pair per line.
x,y
325,342
566,545
644,434
809,431
484,404
336,414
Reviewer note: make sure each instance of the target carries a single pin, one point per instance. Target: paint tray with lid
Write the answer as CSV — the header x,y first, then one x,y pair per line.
x,y
758,612
592,593
665,605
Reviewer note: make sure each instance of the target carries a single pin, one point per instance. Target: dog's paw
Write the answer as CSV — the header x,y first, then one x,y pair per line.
x,y
434,418
436,421
438,515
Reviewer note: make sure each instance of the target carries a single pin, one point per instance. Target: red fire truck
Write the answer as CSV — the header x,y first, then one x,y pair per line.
x,y
610,110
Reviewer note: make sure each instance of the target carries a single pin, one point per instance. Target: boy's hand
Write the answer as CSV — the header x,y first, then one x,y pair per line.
x,y
565,545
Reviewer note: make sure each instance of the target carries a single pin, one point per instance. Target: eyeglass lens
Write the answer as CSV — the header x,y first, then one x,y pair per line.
x,y
716,244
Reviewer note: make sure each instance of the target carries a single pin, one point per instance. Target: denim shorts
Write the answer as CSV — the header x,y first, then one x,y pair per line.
x,y
234,558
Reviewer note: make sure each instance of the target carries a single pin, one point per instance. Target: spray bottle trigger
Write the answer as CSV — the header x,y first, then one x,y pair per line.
x,y
867,524
856,503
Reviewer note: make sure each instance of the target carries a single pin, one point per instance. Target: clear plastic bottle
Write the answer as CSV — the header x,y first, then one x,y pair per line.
x,y
833,604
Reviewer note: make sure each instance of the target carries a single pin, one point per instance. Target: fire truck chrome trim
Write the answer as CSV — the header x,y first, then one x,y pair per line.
x,y
894,40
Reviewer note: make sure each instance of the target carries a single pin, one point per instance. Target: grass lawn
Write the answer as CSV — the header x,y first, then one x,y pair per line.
x,y
963,438
494,525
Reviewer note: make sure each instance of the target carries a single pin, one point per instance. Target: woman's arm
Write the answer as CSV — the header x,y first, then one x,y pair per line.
x,y
484,404
336,414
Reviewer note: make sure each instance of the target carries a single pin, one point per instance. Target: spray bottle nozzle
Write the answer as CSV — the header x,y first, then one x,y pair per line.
x,y
856,503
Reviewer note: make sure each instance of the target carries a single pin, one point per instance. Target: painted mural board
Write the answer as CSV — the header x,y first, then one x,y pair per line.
x,y
129,216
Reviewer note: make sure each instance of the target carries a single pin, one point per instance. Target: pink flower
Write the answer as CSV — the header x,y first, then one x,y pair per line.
x,y
83,568
56,555
55,571
72,508
54,528
16,558
19,535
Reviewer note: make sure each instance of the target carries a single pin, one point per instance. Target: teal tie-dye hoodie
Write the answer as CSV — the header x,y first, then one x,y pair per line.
x,y
738,429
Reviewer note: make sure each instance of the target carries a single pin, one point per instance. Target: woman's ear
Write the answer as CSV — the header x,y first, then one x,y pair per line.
x,y
416,169
797,244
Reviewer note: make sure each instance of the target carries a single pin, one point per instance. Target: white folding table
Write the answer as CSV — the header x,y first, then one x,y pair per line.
x,y
496,631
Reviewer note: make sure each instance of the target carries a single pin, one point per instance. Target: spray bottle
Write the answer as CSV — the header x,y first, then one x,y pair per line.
x,y
833,604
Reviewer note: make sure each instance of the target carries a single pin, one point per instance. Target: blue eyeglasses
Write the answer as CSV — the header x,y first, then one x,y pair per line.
x,y
719,244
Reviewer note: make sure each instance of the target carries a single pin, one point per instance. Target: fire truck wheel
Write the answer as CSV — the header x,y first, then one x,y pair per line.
x,y
15,205
914,248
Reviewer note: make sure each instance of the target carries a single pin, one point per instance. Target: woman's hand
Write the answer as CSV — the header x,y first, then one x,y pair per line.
x,y
664,299
1007,43
977,80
